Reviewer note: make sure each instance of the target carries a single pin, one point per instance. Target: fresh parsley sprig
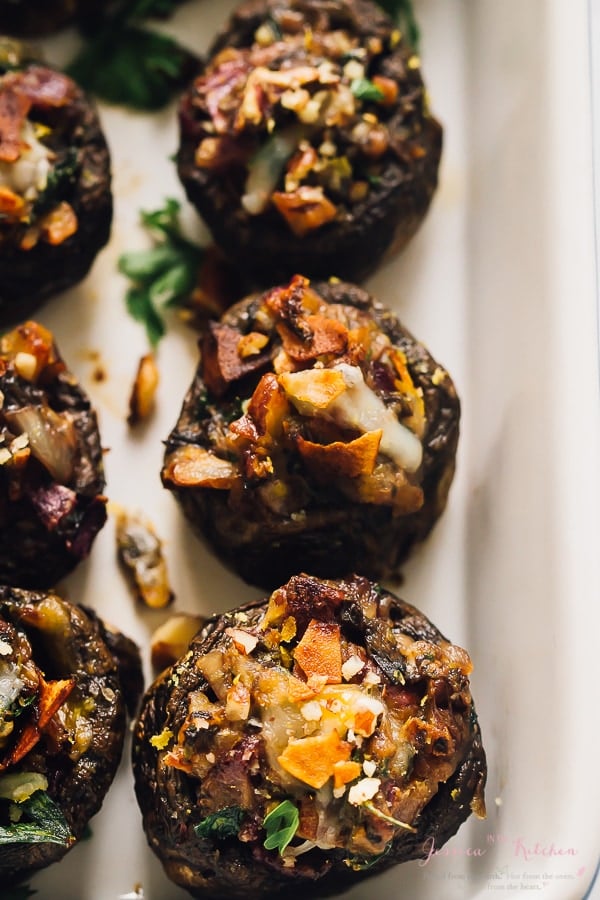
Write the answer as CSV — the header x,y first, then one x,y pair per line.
x,y
42,822
125,63
163,276
281,824
221,825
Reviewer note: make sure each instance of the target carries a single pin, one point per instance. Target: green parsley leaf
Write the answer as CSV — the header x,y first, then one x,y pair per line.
x,y
402,13
140,307
281,824
42,822
124,63
221,825
363,89
163,276
133,67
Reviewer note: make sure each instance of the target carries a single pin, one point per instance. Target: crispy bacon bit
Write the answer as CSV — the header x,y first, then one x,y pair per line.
x,y
351,459
192,466
312,759
14,106
305,209
141,401
222,364
58,224
44,87
320,651
327,336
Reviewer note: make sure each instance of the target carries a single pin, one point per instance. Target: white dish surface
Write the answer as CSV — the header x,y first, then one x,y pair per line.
x,y
500,284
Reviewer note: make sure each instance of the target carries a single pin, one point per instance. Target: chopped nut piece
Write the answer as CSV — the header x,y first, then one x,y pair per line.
x,y
141,401
192,466
140,551
171,639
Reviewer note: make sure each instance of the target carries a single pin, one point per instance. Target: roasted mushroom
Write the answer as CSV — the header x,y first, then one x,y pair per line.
x,y
51,471
306,141
55,184
306,742
62,725
317,435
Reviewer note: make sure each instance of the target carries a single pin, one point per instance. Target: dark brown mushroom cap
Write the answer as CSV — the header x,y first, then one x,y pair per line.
x,y
353,243
47,527
67,644
170,799
29,277
334,534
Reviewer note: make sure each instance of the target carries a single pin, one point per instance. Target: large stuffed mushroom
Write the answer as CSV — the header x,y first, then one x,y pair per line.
x,y
55,184
307,144
63,703
307,741
51,470
317,435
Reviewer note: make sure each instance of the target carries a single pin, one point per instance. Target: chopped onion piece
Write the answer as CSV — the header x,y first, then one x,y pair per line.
x,y
265,168
51,437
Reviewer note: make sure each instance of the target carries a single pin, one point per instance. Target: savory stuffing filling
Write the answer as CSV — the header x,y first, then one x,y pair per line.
x,y
300,740
35,169
301,119
334,408
32,707
37,443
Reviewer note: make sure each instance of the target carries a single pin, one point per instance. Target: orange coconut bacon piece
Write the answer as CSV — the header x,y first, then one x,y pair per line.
x,y
304,209
51,697
313,759
320,651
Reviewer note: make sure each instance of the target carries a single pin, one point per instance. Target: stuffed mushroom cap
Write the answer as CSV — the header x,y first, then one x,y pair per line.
x,y
317,435
62,724
55,184
307,144
307,741
51,469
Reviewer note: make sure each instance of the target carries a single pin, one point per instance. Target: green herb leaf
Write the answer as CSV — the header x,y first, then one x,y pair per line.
x,y
402,13
133,67
163,276
44,823
141,308
221,825
363,89
281,824
63,174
